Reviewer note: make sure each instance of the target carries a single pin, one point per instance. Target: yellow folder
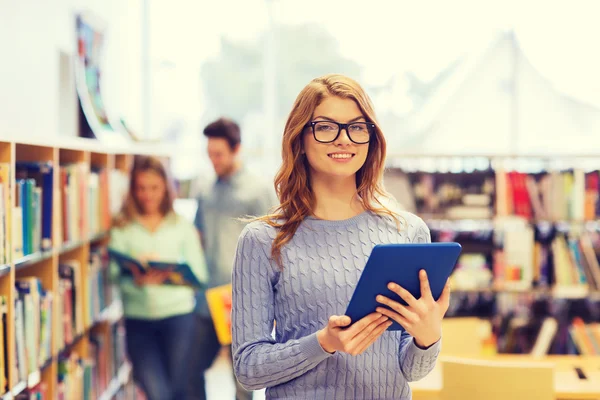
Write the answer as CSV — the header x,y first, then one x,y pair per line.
x,y
219,304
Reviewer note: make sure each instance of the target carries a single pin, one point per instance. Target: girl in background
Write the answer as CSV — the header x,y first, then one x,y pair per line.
x,y
158,318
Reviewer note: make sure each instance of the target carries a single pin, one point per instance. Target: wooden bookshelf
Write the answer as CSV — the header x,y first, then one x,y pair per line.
x,y
44,262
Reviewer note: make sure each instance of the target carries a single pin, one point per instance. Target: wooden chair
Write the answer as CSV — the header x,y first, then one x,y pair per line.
x,y
464,336
496,380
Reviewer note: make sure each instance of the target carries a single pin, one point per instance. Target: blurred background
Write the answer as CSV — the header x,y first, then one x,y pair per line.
x,y
491,110
460,77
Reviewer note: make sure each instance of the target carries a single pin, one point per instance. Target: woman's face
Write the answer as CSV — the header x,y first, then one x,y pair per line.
x,y
341,158
149,190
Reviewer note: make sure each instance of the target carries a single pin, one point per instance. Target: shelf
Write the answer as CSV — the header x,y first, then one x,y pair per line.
x,y
19,387
84,160
34,379
67,349
116,382
549,156
33,258
47,364
555,292
85,144
69,246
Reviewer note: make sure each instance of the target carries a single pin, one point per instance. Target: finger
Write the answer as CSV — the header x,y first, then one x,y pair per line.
x,y
444,299
363,323
425,288
397,307
404,294
135,271
373,336
358,337
395,316
339,321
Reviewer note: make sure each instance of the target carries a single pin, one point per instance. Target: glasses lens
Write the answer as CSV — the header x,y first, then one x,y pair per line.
x,y
326,131
359,132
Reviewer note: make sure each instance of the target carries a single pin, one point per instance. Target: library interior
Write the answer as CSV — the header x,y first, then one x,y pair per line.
x,y
491,115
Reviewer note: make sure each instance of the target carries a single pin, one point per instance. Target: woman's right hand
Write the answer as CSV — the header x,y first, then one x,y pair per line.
x,y
356,339
152,277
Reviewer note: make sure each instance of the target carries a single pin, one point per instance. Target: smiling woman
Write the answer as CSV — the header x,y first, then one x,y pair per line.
x,y
341,127
299,265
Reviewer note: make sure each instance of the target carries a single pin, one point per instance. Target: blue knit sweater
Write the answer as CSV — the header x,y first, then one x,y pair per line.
x,y
322,264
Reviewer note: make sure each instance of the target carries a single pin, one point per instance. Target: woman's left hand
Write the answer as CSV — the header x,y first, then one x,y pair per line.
x,y
422,318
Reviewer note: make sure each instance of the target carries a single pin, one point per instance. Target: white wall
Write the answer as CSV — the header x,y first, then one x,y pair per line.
x,y
33,87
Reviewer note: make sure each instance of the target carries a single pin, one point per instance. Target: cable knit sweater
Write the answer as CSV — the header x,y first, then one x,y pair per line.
x,y
322,264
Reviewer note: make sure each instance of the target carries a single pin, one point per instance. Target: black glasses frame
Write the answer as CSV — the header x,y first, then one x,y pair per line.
x,y
370,128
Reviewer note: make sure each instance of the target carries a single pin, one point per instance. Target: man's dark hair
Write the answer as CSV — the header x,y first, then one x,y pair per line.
x,y
226,129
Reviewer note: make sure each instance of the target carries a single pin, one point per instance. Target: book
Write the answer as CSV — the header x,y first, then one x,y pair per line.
x,y
180,272
41,176
126,263
219,305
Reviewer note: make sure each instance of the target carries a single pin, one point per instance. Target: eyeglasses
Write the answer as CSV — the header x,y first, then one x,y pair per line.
x,y
329,131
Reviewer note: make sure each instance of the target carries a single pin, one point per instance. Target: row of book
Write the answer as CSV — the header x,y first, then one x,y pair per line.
x,y
558,195
571,195
516,255
544,258
87,378
537,327
86,205
33,326
100,293
5,214
33,313
585,338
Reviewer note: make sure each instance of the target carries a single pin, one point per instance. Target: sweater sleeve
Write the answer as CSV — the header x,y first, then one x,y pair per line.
x,y
258,360
416,363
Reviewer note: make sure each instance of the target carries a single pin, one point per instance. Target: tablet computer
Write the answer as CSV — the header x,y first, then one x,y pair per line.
x,y
401,263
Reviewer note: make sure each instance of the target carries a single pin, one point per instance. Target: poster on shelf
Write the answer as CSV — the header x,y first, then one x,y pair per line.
x,y
95,118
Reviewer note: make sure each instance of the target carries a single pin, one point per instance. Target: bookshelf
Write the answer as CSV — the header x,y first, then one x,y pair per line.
x,y
529,226
61,331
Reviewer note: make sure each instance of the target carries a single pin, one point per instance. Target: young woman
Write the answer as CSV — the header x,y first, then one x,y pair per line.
x,y
158,318
299,266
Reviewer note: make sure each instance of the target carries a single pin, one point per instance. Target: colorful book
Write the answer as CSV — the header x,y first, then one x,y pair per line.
x,y
126,263
180,272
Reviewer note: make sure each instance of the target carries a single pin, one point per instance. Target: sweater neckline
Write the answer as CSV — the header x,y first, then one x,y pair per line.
x,y
311,220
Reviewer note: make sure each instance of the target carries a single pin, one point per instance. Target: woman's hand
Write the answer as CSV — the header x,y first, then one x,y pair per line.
x,y
152,277
354,340
422,318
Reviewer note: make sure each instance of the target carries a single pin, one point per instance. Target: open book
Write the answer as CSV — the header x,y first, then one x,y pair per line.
x,y
219,304
180,273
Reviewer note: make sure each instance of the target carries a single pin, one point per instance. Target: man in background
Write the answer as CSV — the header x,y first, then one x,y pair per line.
x,y
235,193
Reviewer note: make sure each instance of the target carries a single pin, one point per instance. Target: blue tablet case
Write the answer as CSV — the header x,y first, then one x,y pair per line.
x,y
401,263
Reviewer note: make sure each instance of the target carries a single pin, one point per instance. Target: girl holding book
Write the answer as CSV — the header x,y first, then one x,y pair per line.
x,y
299,266
158,317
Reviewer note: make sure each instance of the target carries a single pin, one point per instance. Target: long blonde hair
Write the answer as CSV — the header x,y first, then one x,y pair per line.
x,y
292,181
131,207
